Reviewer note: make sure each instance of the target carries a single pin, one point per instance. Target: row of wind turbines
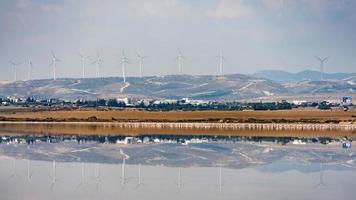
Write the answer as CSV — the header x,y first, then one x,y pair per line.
x,y
99,60
124,61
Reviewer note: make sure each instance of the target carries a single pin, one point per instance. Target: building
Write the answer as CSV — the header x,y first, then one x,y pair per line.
x,y
346,101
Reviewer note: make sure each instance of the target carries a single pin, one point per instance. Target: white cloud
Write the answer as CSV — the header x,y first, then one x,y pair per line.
x,y
158,8
230,9
274,4
51,8
23,3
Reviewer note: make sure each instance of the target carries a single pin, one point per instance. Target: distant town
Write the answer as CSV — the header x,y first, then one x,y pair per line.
x,y
184,104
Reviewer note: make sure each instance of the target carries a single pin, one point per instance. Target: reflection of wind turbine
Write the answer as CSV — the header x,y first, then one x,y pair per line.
x,y
321,60
14,174
53,63
140,59
15,66
179,179
180,58
83,182
54,179
124,61
221,62
97,176
29,172
321,177
321,171
83,63
220,179
98,62
123,179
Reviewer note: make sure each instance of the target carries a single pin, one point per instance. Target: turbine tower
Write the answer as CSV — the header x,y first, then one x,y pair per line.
x,y
140,59
180,58
53,63
30,67
83,63
124,61
15,65
98,62
221,62
322,60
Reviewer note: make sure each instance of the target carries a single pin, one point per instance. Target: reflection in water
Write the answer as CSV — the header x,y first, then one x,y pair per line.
x,y
161,182
172,168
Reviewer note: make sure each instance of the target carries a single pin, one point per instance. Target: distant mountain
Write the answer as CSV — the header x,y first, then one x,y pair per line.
x,y
283,76
204,87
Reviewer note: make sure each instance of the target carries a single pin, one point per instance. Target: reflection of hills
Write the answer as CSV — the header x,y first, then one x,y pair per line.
x,y
205,87
283,165
229,155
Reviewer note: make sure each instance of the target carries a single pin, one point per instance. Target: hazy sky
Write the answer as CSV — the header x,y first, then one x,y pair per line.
x,y
254,35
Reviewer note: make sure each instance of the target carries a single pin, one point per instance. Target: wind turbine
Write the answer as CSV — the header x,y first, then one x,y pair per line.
x,y
180,58
140,59
98,62
83,63
124,61
221,62
53,63
321,60
15,65
30,67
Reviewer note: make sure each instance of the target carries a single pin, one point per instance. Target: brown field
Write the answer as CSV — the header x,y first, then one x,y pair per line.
x,y
280,116
92,122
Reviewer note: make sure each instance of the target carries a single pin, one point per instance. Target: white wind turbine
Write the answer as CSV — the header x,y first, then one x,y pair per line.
x,y
98,62
140,60
180,58
30,67
124,61
84,57
53,63
15,66
321,60
221,62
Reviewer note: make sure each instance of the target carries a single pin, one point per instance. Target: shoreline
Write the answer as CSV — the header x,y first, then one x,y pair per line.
x,y
194,129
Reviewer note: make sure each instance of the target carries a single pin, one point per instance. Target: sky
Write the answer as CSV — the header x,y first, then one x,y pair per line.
x,y
253,35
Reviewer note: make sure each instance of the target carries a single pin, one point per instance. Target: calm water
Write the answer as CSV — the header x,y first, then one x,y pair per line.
x,y
224,168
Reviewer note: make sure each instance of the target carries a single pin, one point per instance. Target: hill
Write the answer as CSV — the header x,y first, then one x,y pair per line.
x,y
284,76
204,87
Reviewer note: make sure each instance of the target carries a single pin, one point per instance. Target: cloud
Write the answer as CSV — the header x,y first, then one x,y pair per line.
x,y
274,4
159,9
230,9
51,8
23,3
